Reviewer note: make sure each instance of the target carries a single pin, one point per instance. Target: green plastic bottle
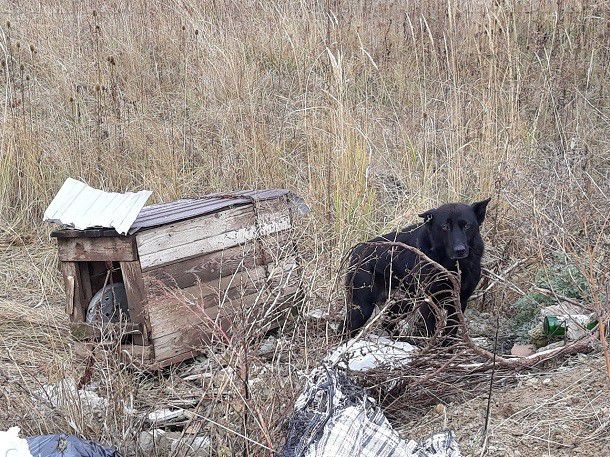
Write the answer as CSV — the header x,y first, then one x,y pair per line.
x,y
558,325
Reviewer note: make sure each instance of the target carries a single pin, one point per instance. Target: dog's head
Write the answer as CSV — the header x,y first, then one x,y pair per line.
x,y
455,226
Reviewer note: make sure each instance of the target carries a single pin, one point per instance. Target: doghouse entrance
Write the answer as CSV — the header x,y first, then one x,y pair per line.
x,y
92,261
105,298
102,273
101,297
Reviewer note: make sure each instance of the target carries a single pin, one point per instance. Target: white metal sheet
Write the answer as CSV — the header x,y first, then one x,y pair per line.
x,y
81,206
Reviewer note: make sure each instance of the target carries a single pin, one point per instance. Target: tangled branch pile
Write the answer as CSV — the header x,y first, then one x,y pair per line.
x,y
440,372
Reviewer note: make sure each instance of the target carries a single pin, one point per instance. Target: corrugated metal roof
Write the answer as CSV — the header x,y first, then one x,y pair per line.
x,y
166,213
81,206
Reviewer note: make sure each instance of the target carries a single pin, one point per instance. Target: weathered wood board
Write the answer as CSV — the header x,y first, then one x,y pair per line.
x,y
180,325
75,299
207,267
136,299
215,232
83,331
217,327
97,249
172,309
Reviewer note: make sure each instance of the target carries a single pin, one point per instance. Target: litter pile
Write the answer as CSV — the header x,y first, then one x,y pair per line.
x,y
334,416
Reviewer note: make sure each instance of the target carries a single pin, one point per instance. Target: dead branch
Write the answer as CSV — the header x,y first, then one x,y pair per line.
x,y
437,372
558,297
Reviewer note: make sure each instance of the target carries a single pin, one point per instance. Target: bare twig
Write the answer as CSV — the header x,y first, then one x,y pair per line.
x,y
491,380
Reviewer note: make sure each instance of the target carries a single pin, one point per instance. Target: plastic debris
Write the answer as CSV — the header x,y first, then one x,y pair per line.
x,y
571,326
316,313
373,352
335,417
162,417
13,446
65,393
68,446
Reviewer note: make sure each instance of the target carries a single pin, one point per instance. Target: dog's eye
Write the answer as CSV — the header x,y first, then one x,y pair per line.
x,y
466,226
445,227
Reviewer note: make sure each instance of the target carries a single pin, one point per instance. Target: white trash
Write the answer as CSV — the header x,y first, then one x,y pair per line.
x,y
13,446
372,352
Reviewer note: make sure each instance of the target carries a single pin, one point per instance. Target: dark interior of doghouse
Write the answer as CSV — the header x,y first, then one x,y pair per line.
x,y
101,274
97,275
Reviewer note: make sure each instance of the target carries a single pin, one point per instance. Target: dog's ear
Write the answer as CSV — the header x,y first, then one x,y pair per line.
x,y
480,208
427,216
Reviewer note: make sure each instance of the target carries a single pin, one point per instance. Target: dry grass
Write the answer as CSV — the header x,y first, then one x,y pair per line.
x,y
371,110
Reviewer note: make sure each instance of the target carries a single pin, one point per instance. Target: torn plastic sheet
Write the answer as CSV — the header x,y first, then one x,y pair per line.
x,y
372,352
335,417
81,206
13,446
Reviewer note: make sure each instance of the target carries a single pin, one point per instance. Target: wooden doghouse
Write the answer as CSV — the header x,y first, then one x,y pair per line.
x,y
192,269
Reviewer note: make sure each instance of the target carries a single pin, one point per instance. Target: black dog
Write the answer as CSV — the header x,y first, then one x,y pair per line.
x,y
449,235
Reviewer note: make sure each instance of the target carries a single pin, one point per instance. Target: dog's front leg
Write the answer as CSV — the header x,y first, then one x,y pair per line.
x,y
453,319
440,298
453,324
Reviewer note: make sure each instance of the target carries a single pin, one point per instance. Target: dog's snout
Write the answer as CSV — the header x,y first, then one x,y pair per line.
x,y
460,251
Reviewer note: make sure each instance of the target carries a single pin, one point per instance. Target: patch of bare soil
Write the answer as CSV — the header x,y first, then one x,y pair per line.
x,y
563,412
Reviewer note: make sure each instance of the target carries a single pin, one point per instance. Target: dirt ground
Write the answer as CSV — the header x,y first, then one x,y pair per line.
x,y
561,412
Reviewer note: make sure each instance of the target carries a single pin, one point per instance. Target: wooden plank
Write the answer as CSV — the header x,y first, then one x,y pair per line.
x,y
205,226
192,238
84,331
70,292
180,325
207,267
175,309
140,356
179,316
184,232
186,347
87,233
266,312
85,278
73,290
263,309
188,342
136,298
212,244
158,365
97,249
